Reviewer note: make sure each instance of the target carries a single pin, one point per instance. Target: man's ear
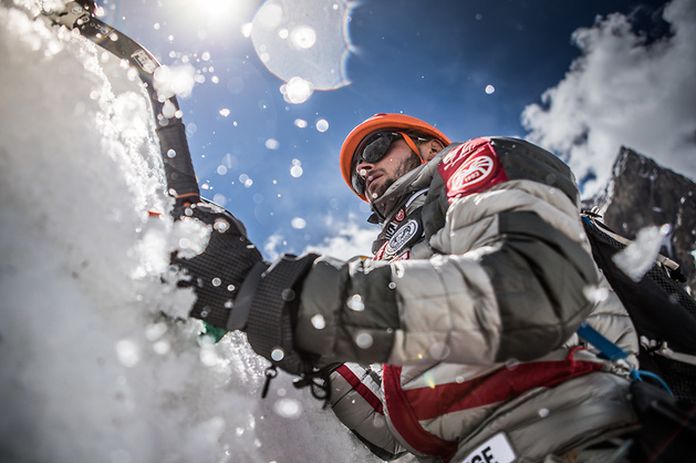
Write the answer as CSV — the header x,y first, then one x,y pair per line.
x,y
430,148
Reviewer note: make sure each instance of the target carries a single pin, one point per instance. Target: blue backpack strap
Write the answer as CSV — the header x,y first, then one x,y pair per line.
x,y
607,349
611,351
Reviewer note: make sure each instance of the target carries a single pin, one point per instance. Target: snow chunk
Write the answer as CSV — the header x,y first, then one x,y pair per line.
x,y
191,237
168,109
246,29
174,80
246,180
298,223
595,294
296,170
364,340
288,408
220,199
356,303
297,90
277,354
322,125
128,352
639,256
318,322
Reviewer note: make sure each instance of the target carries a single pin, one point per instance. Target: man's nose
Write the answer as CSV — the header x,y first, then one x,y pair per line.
x,y
363,168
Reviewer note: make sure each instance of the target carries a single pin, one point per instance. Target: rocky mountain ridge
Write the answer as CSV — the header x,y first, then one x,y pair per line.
x,y
642,193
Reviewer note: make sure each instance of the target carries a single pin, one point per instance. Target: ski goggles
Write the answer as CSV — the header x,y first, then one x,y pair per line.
x,y
373,149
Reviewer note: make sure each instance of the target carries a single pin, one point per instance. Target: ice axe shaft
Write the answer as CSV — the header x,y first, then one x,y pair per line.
x,y
176,157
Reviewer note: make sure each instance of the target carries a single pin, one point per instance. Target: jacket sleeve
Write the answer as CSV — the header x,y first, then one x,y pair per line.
x,y
507,279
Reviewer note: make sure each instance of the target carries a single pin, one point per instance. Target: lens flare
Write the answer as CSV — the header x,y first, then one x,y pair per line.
x,y
304,39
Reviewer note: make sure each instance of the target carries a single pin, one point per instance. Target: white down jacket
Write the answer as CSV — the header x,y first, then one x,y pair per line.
x,y
459,335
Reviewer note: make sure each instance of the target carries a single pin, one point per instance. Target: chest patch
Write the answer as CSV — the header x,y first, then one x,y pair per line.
x,y
471,168
403,237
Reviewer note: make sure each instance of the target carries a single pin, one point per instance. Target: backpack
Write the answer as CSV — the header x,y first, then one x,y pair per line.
x,y
663,313
664,316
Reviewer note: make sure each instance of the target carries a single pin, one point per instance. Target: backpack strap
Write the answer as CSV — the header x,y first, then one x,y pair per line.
x,y
593,218
614,353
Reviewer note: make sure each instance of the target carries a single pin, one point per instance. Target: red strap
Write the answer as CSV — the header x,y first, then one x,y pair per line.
x,y
499,386
360,388
407,407
405,421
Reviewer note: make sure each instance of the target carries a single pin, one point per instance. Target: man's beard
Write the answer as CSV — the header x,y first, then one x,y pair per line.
x,y
406,166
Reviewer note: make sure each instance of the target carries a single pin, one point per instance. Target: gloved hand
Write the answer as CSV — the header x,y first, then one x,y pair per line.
x,y
219,271
238,291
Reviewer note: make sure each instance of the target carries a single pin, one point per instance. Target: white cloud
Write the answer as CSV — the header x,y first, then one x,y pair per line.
x,y
348,238
623,91
271,246
351,240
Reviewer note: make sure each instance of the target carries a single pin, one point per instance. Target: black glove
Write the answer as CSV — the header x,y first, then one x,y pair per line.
x,y
238,291
218,272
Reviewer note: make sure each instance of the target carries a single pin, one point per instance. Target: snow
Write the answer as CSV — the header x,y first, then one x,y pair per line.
x,y
298,223
318,322
272,144
355,302
174,80
246,29
92,369
297,90
322,125
296,170
364,340
639,256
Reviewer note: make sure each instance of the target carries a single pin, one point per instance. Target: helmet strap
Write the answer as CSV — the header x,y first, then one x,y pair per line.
x,y
412,145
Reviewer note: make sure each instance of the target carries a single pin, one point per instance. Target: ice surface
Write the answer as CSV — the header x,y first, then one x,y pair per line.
x,y
91,369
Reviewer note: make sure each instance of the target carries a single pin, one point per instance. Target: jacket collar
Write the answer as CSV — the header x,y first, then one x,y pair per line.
x,y
387,205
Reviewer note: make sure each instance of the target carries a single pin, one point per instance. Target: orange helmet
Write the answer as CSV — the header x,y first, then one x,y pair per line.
x,y
382,123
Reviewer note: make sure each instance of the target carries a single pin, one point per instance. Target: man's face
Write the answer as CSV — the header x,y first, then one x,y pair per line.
x,y
381,174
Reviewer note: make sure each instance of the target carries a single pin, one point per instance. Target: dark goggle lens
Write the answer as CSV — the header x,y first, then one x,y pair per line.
x,y
376,147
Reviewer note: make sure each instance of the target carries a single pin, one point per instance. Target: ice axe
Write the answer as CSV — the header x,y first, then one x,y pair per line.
x,y
171,132
216,273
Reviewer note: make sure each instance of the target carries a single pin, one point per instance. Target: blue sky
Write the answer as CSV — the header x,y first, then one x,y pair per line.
x,y
430,59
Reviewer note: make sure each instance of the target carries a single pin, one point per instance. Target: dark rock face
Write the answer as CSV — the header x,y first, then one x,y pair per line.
x,y
641,193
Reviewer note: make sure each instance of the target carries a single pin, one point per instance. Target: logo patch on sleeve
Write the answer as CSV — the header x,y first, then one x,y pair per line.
x,y
471,168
